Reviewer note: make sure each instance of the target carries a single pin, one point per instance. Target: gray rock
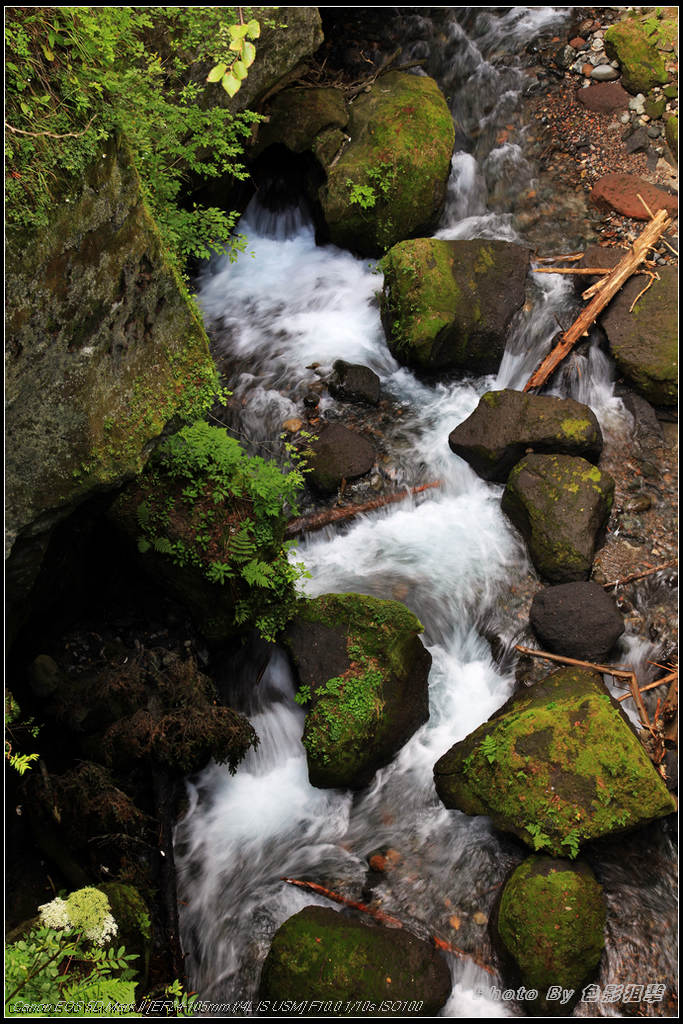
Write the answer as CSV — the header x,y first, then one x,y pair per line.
x,y
604,73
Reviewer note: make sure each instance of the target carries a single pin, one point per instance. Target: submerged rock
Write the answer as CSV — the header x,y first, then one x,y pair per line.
x,y
579,620
324,954
354,383
338,454
551,922
557,765
362,667
560,504
507,423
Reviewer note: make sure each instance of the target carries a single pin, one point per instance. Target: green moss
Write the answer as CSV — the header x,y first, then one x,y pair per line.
x,y
134,925
576,429
641,65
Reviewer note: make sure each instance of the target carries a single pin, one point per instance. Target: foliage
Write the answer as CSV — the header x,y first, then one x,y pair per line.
x,y
238,56
15,724
381,178
79,76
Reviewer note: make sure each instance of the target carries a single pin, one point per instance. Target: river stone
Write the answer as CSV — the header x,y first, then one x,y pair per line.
x,y
603,98
641,65
551,921
644,342
362,660
557,765
620,192
338,454
354,383
560,504
604,73
448,304
324,954
507,423
579,620
401,141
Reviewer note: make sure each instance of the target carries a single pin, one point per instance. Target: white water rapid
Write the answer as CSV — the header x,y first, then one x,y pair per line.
x,y
447,556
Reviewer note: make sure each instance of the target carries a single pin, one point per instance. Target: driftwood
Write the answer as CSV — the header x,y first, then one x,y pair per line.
x,y
640,575
379,915
319,520
608,288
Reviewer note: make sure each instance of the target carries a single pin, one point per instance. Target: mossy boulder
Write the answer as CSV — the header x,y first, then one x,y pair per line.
x,y
557,765
389,183
671,135
362,672
296,117
642,66
551,921
448,305
134,924
506,424
560,504
323,954
644,341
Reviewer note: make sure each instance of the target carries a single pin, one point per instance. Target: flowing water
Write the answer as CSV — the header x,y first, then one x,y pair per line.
x,y
448,557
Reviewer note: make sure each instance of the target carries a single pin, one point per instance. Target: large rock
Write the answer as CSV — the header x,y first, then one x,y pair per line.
x,y
551,921
361,664
354,383
560,504
506,424
557,765
447,305
604,98
579,620
620,192
389,183
642,67
323,954
644,341
338,454
297,117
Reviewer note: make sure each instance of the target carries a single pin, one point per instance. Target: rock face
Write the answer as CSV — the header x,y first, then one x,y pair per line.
x,y
560,504
354,383
620,192
551,922
644,342
362,664
641,65
298,118
338,454
579,620
324,954
447,305
103,349
507,423
557,765
390,181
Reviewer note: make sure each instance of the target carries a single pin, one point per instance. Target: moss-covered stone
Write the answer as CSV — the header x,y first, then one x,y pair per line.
x,y
298,116
134,924
363,667
447,305
506,424
671,134
642,67
560,504
551,921
557,765
390,181
322,954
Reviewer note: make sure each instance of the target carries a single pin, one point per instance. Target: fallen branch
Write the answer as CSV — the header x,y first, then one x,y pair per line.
x,y
319,520
610,285
50,135
652,686
572,270
640,575
379,915
652,216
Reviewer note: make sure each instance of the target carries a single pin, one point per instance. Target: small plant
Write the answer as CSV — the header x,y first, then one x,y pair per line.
x,y
571,841
303,695
15,723
489,748
538,837
361,195
238,54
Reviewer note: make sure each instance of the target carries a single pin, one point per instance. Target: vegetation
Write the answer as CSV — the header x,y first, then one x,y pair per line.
x,y
77,76
16,727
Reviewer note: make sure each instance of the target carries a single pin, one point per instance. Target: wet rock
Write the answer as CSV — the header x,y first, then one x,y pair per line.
x,y
323,954
579,620
390,181
354,383
557,765
448,305
506,424
364,670
620,192
338,454
647,430
641,65
560,504
604,73
551,922
638,141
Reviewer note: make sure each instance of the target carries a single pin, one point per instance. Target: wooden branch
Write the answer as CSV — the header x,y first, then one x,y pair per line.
x,y
611,284
653,277
568,258
640,575
50,135
572,270
651,686
318,520
669,247
379,915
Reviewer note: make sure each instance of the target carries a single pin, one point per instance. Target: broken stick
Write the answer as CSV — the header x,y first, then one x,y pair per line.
x,y
319,520
611,284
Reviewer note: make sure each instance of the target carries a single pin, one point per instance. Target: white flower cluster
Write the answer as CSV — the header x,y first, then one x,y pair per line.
x,y
86,909
55,914
106,930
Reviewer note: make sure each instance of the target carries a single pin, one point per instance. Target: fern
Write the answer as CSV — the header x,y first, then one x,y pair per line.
x,y
258,574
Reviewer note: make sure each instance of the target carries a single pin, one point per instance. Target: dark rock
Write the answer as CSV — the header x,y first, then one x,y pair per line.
x,y
44,675
311,400
638,141
506,424
365,671
323,954
647,432
655,108
338,454
579,620
558,765
298,116
448,305
620,192
354,383
560,504
604,98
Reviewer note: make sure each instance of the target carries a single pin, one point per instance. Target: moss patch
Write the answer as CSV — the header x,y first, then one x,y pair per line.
x,y
642,67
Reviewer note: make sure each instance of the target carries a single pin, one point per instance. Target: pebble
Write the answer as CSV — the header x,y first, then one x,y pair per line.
x,y
604,73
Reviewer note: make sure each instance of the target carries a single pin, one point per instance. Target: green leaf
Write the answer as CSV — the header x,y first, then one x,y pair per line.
x,y
239,70
253,29
239,31
249,54
237,45
230,84
49,55
216,73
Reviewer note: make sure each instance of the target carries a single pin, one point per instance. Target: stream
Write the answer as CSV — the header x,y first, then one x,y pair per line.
x,y
448,556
